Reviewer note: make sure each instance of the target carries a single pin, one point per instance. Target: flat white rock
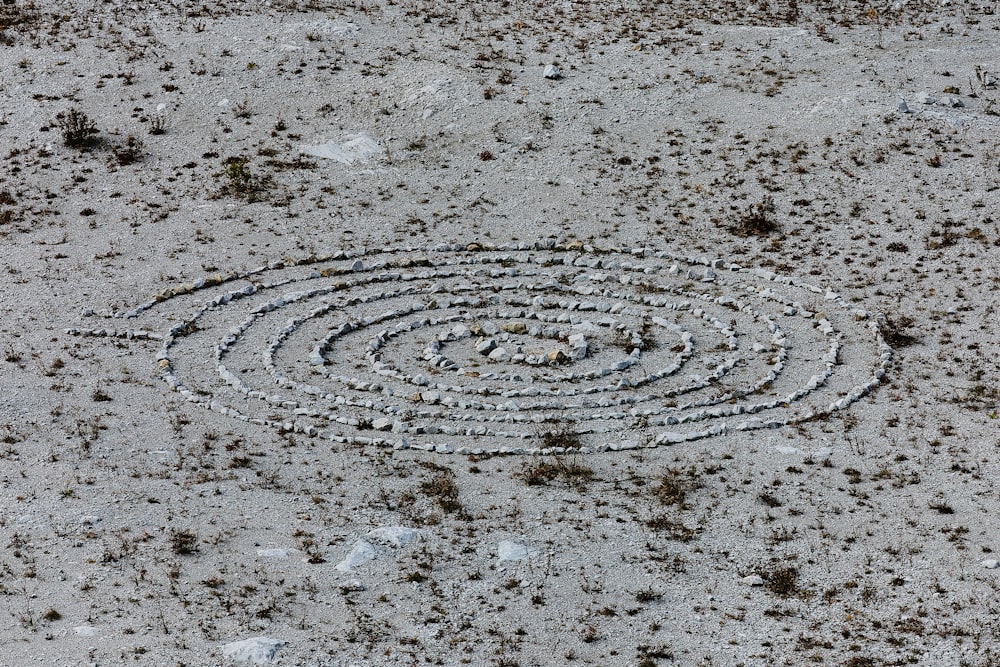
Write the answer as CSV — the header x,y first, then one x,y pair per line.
x,y
358,147
258,650
275,553
752,580
991,563
362,553
511,551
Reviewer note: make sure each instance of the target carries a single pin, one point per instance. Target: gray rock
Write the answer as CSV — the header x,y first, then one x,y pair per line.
x,y
500,354
551,72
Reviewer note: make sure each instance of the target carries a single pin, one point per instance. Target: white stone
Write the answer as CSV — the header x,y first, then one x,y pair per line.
x,y
500,354
353,148
275,553
551,72
991,563
258,650
511,551
752,580
363,552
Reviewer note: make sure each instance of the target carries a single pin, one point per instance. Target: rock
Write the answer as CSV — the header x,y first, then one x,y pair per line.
x,y
578,343
752,580
362,553
511,551
486,346
354,148
950,101
991,563
923,97
382,424
903,107
556,357
515,327
85,630
275,553
500,354
551,72
395,536
258,650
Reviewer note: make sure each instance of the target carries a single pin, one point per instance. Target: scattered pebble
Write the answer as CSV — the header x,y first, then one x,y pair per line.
x,y
752,580
551,72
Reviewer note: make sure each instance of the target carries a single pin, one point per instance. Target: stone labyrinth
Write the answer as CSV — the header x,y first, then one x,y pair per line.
x,y
531,348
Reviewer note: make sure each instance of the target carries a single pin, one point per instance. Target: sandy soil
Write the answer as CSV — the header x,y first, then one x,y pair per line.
x,y
353,333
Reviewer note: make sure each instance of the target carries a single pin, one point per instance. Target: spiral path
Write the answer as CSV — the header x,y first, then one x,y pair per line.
x,y
530,348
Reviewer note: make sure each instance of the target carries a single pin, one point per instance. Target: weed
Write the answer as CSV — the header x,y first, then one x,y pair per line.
x,y
183,542
441,488
570,473
782,581
674,486
564,437
674,530
241,182
158,125
758,219
893,329
78,131
129,152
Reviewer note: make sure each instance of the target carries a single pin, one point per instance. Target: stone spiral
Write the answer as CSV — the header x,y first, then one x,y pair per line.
x,y
529,348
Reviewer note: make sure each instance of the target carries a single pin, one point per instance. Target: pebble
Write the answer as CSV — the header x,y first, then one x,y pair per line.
x,y
551,72
991,563
752,580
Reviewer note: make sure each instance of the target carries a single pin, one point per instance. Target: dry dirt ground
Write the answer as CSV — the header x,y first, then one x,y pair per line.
x,y
259,259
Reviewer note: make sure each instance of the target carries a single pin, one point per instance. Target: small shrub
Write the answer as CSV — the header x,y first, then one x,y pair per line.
x,y
569,472
758,220
130,151
672,529
442,489
157,125
894,330
783,581
183,542
78,131
241,182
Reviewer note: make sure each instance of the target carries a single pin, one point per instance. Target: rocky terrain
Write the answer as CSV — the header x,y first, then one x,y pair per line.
x,y
499,333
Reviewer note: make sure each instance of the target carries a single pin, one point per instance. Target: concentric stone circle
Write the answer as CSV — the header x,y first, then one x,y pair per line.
x,y
522,348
